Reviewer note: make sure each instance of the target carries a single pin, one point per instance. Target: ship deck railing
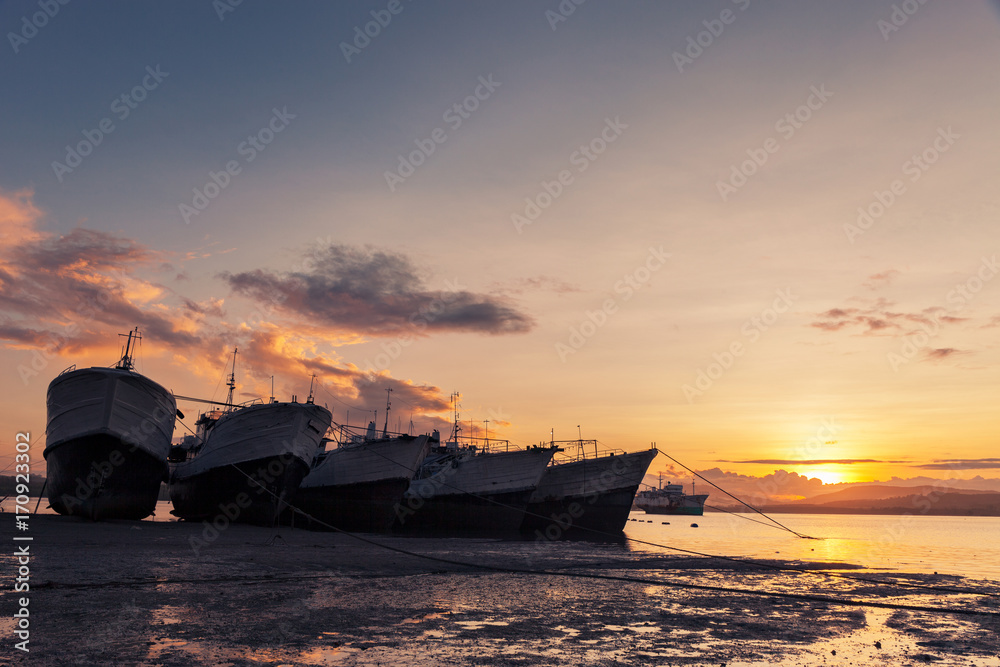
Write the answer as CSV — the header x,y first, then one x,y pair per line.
x,y
347,435
580,450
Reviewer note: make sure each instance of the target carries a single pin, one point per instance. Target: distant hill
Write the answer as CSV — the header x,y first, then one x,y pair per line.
x,y
932,503
880,491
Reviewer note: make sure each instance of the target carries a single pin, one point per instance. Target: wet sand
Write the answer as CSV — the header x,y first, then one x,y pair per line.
x,y
137,593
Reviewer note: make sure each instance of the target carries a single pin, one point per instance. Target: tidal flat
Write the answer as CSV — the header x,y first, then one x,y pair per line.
x,y
159,593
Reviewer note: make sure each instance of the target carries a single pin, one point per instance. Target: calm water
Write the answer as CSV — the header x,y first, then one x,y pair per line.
x,y
967,546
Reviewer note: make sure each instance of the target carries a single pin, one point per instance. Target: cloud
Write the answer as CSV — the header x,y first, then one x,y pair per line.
x,y
812,462
59,290
883,279
878,317
68,295
779,485
537,284
18,214
961,464
942,353
376,293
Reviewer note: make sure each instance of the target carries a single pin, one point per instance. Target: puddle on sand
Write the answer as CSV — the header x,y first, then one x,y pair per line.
x,y
632,628
874,644
168,615
479,625
326,655
427,617
158,646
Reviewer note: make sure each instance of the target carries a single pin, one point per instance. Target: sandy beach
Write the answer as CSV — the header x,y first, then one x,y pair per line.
x,y
163,593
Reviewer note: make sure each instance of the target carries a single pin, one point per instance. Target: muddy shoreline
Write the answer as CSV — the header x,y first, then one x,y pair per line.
x,y
161,593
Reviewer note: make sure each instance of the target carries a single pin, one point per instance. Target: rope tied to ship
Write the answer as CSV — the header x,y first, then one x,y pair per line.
x,y
749,506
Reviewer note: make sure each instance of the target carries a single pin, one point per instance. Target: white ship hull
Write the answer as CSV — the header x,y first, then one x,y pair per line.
x,y
252,459
481,492
357,487
107,441
591,494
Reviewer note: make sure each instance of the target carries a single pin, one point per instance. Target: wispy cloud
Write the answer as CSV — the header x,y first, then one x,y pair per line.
x,y
810,462
881,318
536,284
879,280
961,464
937,354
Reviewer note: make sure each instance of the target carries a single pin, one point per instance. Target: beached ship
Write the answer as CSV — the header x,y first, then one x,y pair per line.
x,y
472,486
359,483
107,440
246,461
671,499
466,489
588,496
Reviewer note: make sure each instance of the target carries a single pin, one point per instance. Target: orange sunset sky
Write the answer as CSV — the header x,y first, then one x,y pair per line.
x,y
762,235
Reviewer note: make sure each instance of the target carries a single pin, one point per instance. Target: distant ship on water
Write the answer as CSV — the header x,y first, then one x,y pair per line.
x,y
671,499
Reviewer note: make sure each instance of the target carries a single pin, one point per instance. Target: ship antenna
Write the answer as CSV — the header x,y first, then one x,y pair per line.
x,y
388,405
125,363
232,381
308,400
272,389
456,428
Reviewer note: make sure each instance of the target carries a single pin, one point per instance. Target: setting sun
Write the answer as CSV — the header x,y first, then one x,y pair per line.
x,y
830,475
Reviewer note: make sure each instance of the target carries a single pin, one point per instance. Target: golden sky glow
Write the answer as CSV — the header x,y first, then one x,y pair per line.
x,y
784,250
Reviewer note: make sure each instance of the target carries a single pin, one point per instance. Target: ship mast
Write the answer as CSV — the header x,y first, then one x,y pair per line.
x,y
456,428
232,381
388,406
126,363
